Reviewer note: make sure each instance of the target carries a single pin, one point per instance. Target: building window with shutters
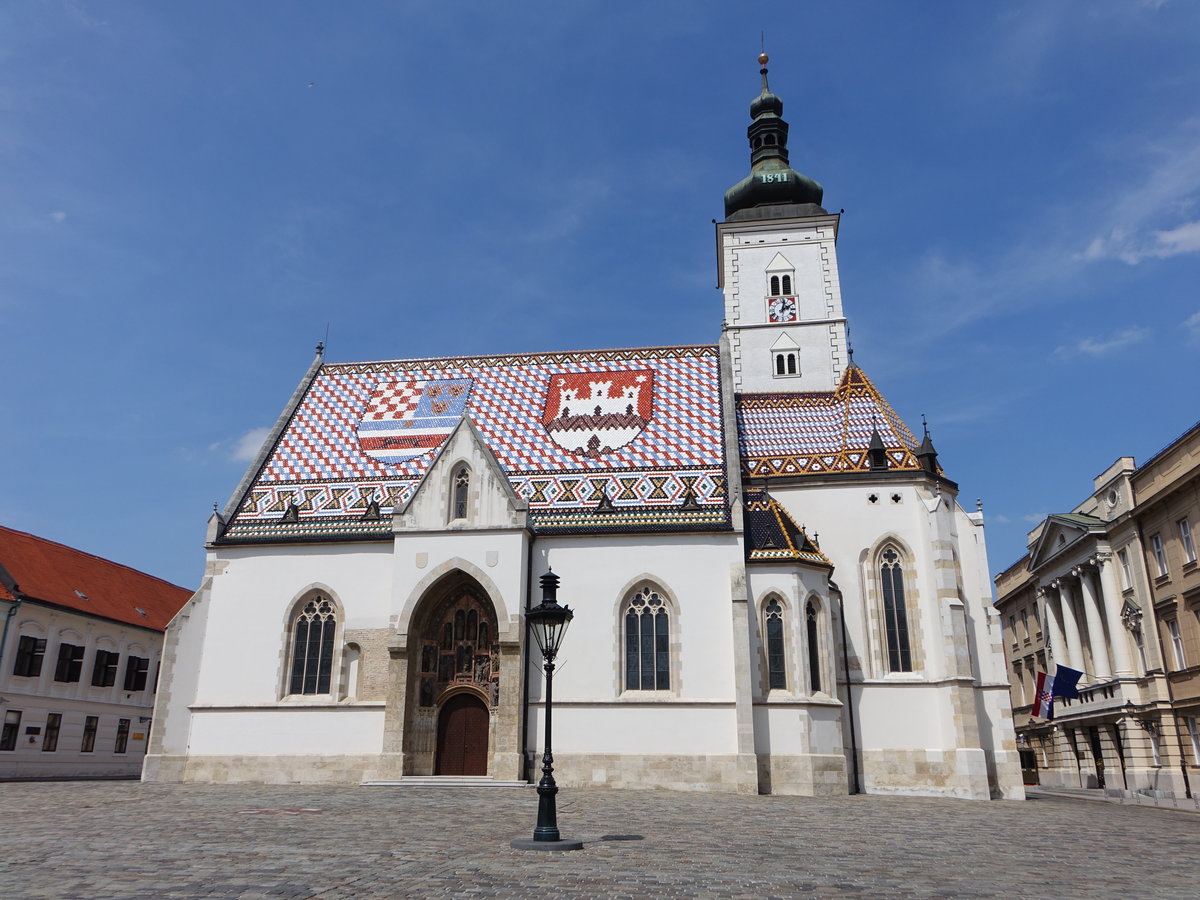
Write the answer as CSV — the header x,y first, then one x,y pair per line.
x,y
30,653
69,667
314,628
104,668
647,630
136,670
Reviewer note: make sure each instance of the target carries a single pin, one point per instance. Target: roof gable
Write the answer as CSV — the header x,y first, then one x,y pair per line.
x,y
1062,532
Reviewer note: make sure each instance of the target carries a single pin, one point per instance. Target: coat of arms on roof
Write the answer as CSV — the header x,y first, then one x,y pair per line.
x,y
594,413
405,419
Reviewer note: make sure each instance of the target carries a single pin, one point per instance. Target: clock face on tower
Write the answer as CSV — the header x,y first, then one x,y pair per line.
x,y
782,309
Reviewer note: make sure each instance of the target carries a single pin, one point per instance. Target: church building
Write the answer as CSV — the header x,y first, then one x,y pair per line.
x,y
775,588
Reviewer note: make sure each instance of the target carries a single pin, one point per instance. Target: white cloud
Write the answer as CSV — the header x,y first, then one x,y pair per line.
x,y
1153,216
1192,324
1133,248
1001,519
1096,346
1034,517
57,216
247,446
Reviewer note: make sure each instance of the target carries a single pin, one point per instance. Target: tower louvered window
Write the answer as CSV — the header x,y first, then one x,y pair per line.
x,y
647,643
312,647
895,613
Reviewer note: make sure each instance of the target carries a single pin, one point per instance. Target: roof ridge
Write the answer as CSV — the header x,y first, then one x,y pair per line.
x,y
78,552
527,353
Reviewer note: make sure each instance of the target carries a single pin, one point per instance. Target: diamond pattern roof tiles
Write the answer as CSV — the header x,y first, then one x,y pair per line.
x,y
819,432
643,426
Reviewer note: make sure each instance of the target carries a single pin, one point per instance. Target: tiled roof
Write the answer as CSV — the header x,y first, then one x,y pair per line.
x,y
772,535
818,432
641,427
53,573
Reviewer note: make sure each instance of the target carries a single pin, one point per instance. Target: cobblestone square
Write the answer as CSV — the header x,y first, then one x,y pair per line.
x,y
125,839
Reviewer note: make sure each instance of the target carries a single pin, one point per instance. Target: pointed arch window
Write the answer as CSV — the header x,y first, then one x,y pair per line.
x,y
647,642
460,487
895,612
814,649
776,659
313,631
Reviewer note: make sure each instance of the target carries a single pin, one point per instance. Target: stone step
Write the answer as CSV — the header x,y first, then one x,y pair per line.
x,y
448,781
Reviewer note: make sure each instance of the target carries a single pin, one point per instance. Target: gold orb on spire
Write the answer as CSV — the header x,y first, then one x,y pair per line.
x,y
763,59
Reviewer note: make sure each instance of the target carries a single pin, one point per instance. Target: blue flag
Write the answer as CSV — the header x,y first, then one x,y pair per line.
x,y
1064,682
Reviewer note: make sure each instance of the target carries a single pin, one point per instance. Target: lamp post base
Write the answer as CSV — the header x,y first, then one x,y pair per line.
x,y
527,844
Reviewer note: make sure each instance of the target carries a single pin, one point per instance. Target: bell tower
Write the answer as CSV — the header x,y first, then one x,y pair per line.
x,y
778,268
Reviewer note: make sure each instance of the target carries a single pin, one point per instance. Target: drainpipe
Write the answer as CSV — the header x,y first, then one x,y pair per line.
x,y
1162,654
10,584
849,697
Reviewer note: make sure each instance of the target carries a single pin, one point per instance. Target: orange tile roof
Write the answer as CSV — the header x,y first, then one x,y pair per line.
x,y
53,573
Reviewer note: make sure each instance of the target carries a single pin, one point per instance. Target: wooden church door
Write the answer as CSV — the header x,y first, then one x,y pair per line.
x,y
462,737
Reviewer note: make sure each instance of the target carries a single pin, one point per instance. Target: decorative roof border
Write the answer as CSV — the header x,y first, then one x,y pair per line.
x,y
573,356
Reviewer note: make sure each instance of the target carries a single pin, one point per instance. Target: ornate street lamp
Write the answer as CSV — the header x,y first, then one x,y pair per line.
x,y
548,624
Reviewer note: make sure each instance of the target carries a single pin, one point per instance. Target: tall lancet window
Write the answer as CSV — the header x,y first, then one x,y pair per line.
x,y
776,662
895,613
312,646
814,649
647,642
460,488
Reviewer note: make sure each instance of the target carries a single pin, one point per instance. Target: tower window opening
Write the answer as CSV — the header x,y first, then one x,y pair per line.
x,y
787,284
786,363
774,285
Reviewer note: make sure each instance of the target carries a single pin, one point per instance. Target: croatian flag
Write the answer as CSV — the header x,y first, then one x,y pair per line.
x,y
1065,680
1043,704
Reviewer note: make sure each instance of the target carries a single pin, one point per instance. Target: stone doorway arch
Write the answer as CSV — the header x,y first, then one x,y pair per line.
x,y
453,643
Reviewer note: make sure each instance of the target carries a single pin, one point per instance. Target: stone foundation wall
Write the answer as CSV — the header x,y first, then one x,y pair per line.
x,y
733,773
926,773
810,775
272,769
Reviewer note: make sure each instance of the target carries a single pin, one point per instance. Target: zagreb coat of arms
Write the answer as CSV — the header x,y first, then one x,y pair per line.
x,y
405,419
594,413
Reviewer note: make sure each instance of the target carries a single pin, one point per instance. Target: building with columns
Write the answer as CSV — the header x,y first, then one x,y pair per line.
x,y
775,588
1112,589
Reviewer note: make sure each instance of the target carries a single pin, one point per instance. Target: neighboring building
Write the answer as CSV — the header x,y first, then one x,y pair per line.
x,y
361,617
1113,589
79,658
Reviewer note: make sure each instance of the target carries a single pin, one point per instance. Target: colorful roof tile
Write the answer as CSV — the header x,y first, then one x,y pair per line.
x,y
37,569
591,441
819,432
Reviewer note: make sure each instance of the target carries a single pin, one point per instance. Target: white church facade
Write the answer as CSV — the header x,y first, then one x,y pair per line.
x,y
775,588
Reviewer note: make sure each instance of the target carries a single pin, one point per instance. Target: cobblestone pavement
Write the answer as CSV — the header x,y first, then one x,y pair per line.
x,y
124,839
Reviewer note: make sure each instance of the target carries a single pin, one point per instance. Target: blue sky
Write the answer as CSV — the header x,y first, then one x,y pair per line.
x,y
192,193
